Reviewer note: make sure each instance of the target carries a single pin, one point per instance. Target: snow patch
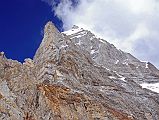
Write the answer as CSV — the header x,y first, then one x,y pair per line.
x,y
125,62
92,51
101,88
103,41
121,77
92,37
73,31
146,65
153,86
117,62
63,46
137,66
78,36
112,77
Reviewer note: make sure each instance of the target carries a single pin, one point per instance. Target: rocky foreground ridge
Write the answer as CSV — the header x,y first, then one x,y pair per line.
x,y
76,76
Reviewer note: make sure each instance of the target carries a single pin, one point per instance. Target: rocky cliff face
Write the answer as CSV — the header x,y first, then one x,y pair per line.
x,y
76,76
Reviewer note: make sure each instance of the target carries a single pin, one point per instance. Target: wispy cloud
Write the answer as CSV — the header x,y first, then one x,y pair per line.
x,y
131,25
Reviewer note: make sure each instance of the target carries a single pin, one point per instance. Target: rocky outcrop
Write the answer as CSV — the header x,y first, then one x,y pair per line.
x,y
66,81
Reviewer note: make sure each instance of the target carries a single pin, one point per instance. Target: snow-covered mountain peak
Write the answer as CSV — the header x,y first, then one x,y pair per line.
x,y
75,29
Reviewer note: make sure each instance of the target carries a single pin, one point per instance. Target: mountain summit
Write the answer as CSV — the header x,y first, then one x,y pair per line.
x,y
76,76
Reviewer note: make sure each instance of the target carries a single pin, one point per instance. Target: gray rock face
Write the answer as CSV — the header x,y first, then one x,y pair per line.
x,y
107,55
76,76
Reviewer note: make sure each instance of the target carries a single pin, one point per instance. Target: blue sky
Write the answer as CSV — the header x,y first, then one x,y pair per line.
x,y
21,25
131,25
